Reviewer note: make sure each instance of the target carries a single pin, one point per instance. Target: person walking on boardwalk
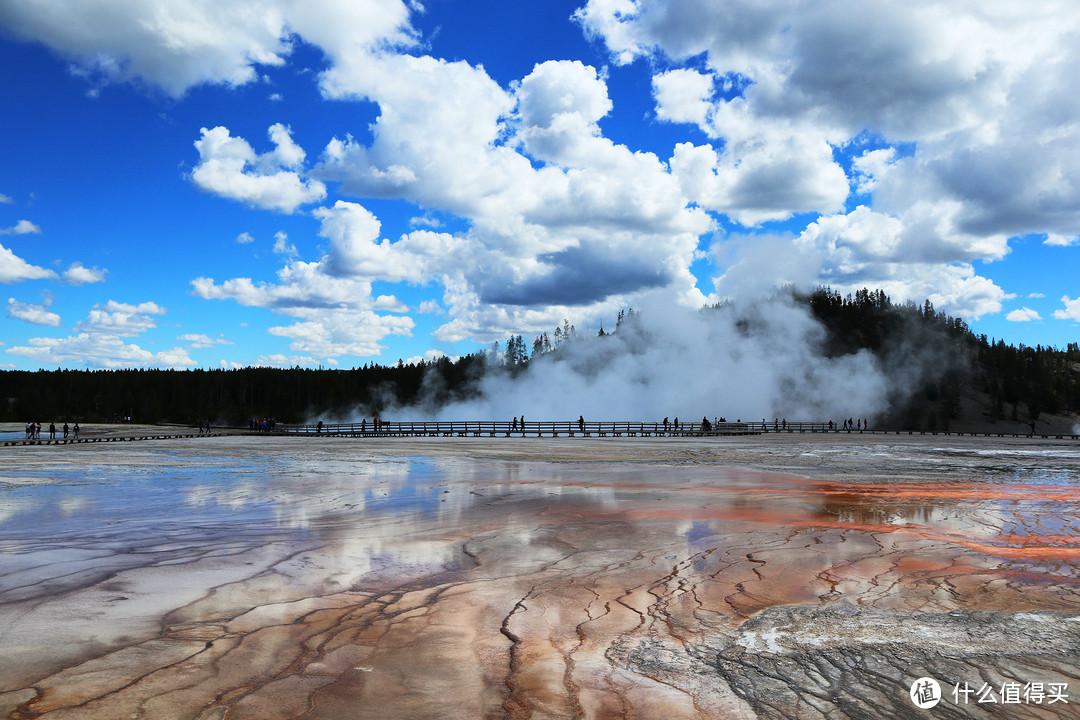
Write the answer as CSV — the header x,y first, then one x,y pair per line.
x,y
675,425
318,428
66,430
76,431
667,425
581,423
52,431
513,425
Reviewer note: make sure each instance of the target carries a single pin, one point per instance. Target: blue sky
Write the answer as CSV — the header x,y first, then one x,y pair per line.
x,y
340,182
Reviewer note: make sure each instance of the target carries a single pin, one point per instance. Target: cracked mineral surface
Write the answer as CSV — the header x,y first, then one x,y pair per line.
x,y
787,576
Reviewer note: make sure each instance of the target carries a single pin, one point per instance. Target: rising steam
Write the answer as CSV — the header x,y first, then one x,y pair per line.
x,y
739,361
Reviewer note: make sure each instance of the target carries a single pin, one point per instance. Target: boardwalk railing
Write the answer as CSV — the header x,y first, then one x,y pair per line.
x,y
72,440
569,428
506,428
622,428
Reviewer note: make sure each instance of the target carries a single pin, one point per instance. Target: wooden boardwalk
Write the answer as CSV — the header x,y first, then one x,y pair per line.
x,y
551,429
488,428
625,428
103,439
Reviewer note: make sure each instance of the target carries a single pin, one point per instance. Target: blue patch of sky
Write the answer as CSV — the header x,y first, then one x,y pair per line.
x,y
731,85
508,39
633,121
791,226
1032,267
866,141
703,268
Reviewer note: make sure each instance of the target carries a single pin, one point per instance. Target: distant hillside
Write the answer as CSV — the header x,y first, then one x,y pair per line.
x,y
948,377
941,375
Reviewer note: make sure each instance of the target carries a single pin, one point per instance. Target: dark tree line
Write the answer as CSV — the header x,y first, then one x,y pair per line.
x,y
227,396
935,358
932,360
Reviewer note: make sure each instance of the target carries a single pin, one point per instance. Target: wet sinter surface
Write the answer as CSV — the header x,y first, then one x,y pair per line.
x,y
329,578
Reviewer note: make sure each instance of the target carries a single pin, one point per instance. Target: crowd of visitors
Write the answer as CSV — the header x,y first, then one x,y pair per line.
x,y
33,430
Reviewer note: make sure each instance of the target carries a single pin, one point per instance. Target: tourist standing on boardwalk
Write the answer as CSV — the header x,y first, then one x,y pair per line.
x,y
52,431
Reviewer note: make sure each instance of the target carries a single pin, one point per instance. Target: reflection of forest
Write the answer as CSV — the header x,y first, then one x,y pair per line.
x,y
861,510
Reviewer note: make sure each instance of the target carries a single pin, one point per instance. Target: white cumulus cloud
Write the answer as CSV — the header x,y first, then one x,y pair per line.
x,y
228,166
98,341
176,44
34,314
23,227
980,94
1024,314
99,350
77,274
1071,311
200,340
282,246
14,269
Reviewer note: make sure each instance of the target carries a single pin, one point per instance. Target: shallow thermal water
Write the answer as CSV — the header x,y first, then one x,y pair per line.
x,y
268,578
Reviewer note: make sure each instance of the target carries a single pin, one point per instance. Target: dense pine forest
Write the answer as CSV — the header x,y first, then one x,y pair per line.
x,y
945,375
947,365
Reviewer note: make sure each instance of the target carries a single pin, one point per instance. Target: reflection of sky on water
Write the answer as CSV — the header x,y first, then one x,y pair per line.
x,y
365,506
277,492
257,494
